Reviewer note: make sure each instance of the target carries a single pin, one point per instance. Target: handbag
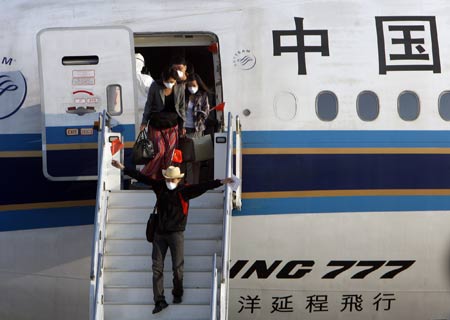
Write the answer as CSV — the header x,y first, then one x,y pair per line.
x,y
152,223
143,150
186,145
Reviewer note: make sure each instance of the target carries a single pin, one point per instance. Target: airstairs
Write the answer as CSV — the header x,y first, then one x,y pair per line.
x,y
121,274
127,262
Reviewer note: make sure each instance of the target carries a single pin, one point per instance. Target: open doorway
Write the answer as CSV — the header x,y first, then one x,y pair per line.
x,y
200,50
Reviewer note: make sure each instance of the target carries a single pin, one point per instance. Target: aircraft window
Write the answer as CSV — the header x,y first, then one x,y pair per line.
x,y
79,60
114,99
326,106
367,106
408,106
285,106
444,105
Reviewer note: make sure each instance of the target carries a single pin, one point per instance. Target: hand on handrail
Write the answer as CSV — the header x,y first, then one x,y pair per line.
x,y
117,164
227,180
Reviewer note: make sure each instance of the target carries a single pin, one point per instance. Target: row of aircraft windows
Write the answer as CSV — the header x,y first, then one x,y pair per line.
x,y
368,106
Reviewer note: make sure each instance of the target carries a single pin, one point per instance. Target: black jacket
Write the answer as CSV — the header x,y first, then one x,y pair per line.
x,y
156,99
173,205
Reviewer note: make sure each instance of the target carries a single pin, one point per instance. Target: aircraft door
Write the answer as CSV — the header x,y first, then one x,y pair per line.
x,y
82,72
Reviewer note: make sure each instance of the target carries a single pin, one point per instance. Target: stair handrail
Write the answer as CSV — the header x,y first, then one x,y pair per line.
x,y
228,208
96,287
213,298
238,192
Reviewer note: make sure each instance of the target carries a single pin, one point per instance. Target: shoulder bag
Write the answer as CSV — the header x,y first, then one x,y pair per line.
x,y
152,224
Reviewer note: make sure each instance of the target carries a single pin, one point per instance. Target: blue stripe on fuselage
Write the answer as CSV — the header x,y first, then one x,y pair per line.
x,y
345,139
292,172
57,135
20,142
23,181
270,206
46,218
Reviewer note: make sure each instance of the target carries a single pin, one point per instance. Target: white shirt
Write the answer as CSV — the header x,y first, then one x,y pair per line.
x,y
190,115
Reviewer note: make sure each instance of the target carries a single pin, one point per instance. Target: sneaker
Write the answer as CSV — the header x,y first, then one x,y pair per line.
x,y
177,299
159,306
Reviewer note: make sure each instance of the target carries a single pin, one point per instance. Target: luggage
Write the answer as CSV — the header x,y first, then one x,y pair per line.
x,y
196,149
186,145
203,148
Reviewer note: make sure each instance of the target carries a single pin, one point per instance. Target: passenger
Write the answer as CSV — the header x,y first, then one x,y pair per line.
x,y
179,63
197,111
172,208
165,113
189,69
143,82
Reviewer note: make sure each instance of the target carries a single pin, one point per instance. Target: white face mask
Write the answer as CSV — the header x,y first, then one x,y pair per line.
x,y
180,73
169,85
171,185
193,90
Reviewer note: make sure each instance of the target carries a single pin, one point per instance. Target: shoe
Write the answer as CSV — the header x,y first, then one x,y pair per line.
x,y
159,306
177,299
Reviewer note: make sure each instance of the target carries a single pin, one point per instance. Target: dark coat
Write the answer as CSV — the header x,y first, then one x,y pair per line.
x,y
156,99
173,205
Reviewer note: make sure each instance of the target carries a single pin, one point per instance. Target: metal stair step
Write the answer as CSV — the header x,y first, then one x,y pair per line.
x,y
137,231
147,199
138,198
143,263
142,247
118,295
140,215
143,279
172,312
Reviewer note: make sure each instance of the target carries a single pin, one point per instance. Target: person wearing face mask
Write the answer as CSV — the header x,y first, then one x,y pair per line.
x,y
180,65
172,206
165,115
197,111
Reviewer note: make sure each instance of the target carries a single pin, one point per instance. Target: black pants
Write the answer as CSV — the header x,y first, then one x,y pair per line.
x,y
175,242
